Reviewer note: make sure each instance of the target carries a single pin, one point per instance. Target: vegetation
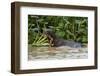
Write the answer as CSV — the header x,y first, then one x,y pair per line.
x,y
66,27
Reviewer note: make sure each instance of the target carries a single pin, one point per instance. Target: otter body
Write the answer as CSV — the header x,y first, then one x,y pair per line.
x,y
56,41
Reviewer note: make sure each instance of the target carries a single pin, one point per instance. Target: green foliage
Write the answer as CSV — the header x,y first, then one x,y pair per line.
x,y
40,40
66,27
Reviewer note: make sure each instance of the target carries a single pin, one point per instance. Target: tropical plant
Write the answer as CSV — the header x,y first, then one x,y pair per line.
x,y
66,27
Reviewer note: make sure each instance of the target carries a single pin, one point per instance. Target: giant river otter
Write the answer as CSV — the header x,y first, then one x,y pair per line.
x,y
55,41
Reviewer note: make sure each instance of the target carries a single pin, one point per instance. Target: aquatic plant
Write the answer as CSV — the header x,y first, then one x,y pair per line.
x,y
66,27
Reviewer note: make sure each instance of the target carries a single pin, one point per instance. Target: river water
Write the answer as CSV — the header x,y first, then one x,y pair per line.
x,y
62,52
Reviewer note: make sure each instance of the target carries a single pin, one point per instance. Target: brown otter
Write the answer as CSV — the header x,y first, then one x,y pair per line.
x,y
55,41
51,37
